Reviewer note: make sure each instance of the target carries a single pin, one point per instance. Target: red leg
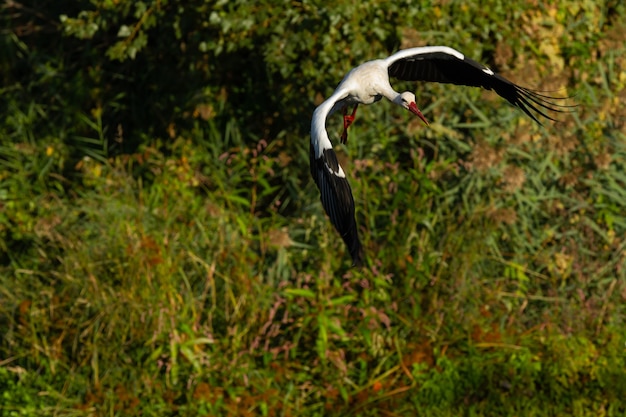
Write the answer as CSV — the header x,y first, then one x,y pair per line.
x,y
347,122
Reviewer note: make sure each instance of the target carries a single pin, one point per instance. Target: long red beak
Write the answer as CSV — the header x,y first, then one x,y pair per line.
x,y
413,109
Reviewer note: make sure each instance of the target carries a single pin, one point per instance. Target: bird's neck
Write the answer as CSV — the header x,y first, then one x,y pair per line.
x,y
389,93
396,98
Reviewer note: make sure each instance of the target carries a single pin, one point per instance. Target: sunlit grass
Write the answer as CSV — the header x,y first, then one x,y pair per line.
x,y
148,283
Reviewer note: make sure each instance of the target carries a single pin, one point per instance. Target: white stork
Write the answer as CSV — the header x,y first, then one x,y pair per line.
x,y
368,83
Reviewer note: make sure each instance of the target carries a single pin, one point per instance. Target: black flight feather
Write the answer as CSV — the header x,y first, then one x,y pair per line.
x,y
445,68
337,200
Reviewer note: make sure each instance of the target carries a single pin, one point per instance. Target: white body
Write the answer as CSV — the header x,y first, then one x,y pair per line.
x,y
366,84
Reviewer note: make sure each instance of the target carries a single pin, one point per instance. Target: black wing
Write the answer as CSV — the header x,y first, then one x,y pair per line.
x,y
337,200
446,65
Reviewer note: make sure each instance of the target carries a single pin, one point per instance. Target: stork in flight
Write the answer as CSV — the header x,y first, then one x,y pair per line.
x,y
367,84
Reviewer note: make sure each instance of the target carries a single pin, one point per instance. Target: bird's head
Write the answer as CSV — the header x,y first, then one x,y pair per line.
x,y
407,100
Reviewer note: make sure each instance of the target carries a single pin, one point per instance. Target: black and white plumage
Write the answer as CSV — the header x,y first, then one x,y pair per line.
x,y
368,83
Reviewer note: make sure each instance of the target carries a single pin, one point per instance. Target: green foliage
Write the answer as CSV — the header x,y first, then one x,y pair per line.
x,y
163,250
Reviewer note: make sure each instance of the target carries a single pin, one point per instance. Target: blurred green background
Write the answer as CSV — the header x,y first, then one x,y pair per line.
x,y
163,250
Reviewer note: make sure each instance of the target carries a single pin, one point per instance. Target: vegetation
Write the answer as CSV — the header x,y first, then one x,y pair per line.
x,y
163,250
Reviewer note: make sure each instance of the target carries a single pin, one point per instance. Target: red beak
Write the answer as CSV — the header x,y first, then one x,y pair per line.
x,y
413,109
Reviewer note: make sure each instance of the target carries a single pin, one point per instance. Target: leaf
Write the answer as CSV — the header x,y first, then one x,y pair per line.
x,y
124,31
300,292
346,299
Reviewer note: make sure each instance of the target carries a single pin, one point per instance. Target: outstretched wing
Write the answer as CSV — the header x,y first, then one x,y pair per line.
x,y
330,178
446,65
337,200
